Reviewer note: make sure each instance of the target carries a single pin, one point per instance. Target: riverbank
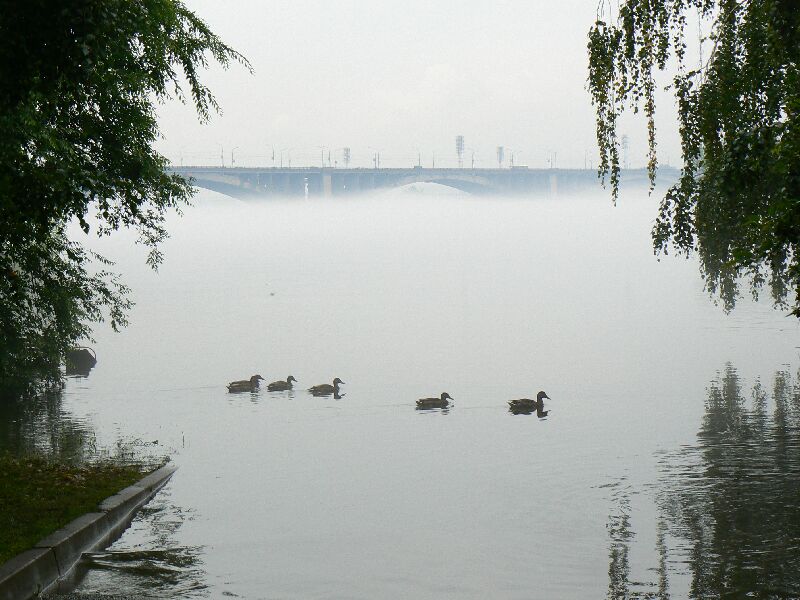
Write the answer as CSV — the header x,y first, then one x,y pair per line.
x,y
38,496
49,564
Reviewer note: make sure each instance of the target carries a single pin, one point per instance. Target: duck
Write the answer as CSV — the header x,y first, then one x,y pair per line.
x,y
440,402
326,389
279,386
245,385
527,406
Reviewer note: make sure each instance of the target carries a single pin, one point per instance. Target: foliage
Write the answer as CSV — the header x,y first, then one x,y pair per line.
x,y
737,203
39,496
78,86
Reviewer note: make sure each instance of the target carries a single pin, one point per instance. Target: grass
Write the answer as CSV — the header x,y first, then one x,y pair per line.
x,y
38,496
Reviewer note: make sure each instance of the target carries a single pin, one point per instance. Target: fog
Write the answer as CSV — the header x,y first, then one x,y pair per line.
x,y
405,294
402,79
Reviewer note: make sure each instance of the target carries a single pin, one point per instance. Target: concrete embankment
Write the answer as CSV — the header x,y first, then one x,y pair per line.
x,y
52,559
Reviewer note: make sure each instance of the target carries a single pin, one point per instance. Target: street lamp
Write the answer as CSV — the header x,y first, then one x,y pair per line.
x,y
345,150
232,149
376,157
221,154
513,152
289,153
472,157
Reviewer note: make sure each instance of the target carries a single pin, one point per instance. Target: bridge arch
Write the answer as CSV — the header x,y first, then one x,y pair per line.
x,y
468,184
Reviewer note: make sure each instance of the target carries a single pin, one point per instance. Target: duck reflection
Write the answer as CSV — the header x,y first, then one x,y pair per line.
x,y
528,411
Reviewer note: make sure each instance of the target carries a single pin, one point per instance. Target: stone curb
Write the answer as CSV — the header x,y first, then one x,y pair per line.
x,y
54,557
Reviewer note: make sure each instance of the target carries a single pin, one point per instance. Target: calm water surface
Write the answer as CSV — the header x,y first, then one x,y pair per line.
x,y
667,466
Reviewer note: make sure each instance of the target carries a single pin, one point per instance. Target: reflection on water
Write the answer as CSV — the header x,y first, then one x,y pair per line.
x,y
303,497
622,536
729,522
147,561
433,410
734,500
41,425
537,408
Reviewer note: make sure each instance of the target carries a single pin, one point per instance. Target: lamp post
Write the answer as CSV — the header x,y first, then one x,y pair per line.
x,y
289,153
233,162
376,157
472,157
345,150
513,155
221,155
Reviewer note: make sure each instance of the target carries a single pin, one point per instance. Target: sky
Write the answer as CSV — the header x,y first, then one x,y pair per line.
x,y
403,79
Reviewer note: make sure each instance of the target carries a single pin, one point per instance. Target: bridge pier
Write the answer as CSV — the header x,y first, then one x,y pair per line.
x,y
327,185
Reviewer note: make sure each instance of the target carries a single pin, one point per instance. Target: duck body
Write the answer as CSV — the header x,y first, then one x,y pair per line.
x,y
245,385
442,401
326,389
527,405
280,386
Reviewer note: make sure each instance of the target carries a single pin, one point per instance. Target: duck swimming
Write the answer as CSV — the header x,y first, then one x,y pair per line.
x,y
326,389
279,386
245,385
527,406
440,402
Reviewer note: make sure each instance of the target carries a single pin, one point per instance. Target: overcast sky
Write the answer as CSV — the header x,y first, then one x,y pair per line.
x,y
402,78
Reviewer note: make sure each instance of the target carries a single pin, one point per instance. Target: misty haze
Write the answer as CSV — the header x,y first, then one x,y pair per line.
x,y
397,230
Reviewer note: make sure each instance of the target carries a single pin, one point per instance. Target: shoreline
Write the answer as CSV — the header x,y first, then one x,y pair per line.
x,y
52,560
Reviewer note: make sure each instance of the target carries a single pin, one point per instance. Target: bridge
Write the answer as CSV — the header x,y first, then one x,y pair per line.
x,y
249,182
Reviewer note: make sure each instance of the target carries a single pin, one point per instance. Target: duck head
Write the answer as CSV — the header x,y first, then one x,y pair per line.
x,y
337,381
446,396
542,395
255,378
290,379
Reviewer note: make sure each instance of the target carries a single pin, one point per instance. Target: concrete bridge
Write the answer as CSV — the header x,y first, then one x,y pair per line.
x,y
247,182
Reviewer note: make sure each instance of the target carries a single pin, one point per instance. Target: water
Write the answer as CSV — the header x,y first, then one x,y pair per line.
x,y
630,487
